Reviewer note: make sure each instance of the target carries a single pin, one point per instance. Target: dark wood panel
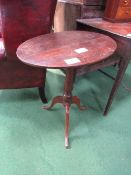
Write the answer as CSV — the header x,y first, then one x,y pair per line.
x,y
91,12
94,2
65,16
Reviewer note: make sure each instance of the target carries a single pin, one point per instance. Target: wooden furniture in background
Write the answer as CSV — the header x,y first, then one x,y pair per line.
x,y
69,50
67,11
66,14
121,33
22,20
93,8
118,10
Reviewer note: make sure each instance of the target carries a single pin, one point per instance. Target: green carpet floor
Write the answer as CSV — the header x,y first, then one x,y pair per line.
x,y
32,139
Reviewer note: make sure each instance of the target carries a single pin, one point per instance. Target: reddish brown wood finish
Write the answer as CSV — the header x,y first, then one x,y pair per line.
x,y
121,33
118,10
21,20
119,29
51,51
66,100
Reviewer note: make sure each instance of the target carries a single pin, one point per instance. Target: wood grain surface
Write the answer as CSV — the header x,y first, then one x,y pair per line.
x,y
51,50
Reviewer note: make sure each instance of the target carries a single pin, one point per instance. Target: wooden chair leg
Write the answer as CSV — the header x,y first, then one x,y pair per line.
x,y
42,94
119,77
42,89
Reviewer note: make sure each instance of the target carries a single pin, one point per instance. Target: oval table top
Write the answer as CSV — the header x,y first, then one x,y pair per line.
x,y
66,49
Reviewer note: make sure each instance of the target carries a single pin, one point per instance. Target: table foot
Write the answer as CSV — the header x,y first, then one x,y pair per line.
x,y
66,102
67,107
76,101
57,99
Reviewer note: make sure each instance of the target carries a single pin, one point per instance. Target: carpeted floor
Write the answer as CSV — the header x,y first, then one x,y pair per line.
x,y
32,140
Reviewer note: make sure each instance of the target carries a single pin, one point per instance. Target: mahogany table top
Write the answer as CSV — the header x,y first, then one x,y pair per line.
x,y
120,29
66,49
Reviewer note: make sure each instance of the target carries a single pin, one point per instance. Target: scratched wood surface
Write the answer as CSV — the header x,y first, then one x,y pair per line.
x,y
119,29
51,50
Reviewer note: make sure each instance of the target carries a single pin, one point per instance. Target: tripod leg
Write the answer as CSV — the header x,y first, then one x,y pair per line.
x,y
67,107
76,101
57,99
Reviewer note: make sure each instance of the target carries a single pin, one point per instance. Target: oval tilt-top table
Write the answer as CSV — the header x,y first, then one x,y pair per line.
x,y
69,50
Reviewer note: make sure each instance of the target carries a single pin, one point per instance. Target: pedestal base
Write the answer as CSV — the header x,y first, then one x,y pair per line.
x,y
66,100
66,103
